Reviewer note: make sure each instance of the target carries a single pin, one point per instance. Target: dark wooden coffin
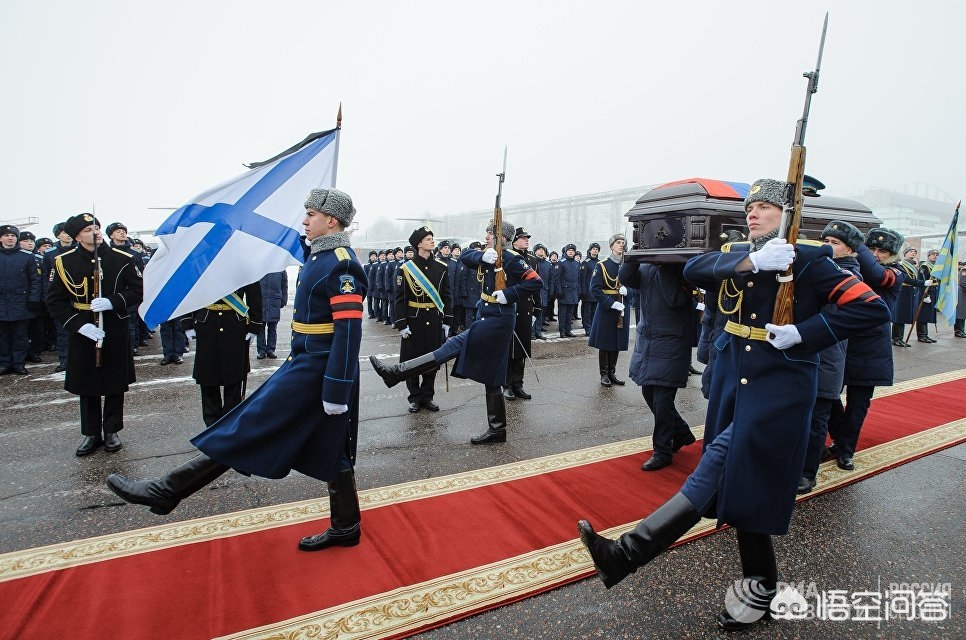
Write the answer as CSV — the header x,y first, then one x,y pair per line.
x,y
679,220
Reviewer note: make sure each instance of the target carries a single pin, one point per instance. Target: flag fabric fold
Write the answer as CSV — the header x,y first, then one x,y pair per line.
x,y
946,272
233,234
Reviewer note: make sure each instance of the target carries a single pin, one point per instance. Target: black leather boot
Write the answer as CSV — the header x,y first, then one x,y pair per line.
x,y
519,392
163,494
508,393
616,559
345,524
395,373
612,368
604,364
761,581
495,418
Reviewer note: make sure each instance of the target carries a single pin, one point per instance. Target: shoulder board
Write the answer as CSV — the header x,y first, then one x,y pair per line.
x,y
29,253
727,246
342,254
810,243
442,262
123,252
66,253
511,251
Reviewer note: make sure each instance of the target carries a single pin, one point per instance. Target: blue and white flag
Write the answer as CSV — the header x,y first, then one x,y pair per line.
x,y
946,272
233,234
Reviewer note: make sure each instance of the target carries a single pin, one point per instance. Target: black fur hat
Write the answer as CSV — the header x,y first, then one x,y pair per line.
x,y
844,231
885,239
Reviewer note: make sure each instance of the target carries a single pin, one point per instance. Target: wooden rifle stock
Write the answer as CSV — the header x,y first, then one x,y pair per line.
x,y
791,222
100,315
499,274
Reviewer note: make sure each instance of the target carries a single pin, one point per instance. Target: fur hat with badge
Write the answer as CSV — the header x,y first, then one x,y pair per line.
x,y
885,239
614,238
417,236
8,230
333,202
506,229
114,226
75,224
26,235
844,231
767,190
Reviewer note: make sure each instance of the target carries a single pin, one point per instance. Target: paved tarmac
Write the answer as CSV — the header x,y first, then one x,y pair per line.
x,y
903,526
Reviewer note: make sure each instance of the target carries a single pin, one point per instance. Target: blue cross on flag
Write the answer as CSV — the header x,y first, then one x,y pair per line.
x,y
233,234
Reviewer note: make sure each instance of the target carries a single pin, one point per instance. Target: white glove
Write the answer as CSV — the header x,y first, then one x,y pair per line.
x,y
334,409
785,335
500,296
533,321
191,333
617,306
622,290
249,336
776,255
929,283
699,306
489,256
91,331
927,300
445,329
101,304
405,333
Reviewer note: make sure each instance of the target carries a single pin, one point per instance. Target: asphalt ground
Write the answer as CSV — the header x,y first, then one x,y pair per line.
x,y
902,526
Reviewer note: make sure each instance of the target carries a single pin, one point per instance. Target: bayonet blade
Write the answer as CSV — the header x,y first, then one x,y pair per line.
x,y
821,46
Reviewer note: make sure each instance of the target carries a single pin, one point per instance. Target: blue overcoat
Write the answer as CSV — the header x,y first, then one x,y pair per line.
x,y
765,395
604,333
487,347
281,426
662,352
274,295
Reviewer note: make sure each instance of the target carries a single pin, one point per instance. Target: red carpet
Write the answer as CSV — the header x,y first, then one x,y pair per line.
x,y
432,551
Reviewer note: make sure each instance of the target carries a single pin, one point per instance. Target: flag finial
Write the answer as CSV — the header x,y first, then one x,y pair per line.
x,y
338,118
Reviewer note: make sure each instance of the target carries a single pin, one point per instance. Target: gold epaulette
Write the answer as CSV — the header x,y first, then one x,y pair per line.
x,y
726,248
810,243
441,262
511,251
342,254
122,252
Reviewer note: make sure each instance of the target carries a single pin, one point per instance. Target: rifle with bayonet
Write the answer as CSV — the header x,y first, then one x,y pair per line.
x,y
500,276
98,282
792,214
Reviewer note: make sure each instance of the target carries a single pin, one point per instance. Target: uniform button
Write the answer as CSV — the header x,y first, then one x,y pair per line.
x,y
754,315
427,324
294,310
290,358
750,284
220,313
744,381
314,257
747,347
221,328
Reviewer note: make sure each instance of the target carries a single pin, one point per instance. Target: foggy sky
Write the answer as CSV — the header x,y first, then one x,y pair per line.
x,y
124,106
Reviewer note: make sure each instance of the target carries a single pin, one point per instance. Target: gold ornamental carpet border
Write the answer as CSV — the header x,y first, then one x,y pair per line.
x,y
429,604
19,564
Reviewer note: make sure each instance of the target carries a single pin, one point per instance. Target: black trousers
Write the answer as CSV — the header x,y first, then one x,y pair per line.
x,y
13,343
849,424
816,437
514,370
667,421
96,421
214,405
422,388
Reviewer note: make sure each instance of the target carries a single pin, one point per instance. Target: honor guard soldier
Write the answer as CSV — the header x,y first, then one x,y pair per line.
x,y
64,244
610,328
91,289
520,347
909,296
20,289
763,389
484,346
424,313
223,331
367,269
544,269
305,417
927,313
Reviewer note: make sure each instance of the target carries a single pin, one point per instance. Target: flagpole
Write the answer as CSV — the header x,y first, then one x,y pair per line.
x,y
338,136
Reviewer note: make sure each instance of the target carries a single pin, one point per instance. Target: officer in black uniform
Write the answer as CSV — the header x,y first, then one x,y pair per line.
x,y
224,330
520,348
99,362
367,269
64,244
588,303
424,313
927,315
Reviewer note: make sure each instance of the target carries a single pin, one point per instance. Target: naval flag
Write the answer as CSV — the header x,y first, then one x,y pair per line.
x,y
946,272
233,234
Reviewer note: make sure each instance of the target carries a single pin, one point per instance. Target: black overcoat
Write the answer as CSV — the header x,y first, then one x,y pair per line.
x,y
221,354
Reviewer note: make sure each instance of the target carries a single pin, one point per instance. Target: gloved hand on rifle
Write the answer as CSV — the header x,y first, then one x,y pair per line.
x,y
783,336
191,334
249,337
622,290
489,256
445,330
91,331
405,333
618,307
101,304
500,296
776,255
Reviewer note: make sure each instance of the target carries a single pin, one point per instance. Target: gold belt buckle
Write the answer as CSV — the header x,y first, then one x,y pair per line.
x,y
745,330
